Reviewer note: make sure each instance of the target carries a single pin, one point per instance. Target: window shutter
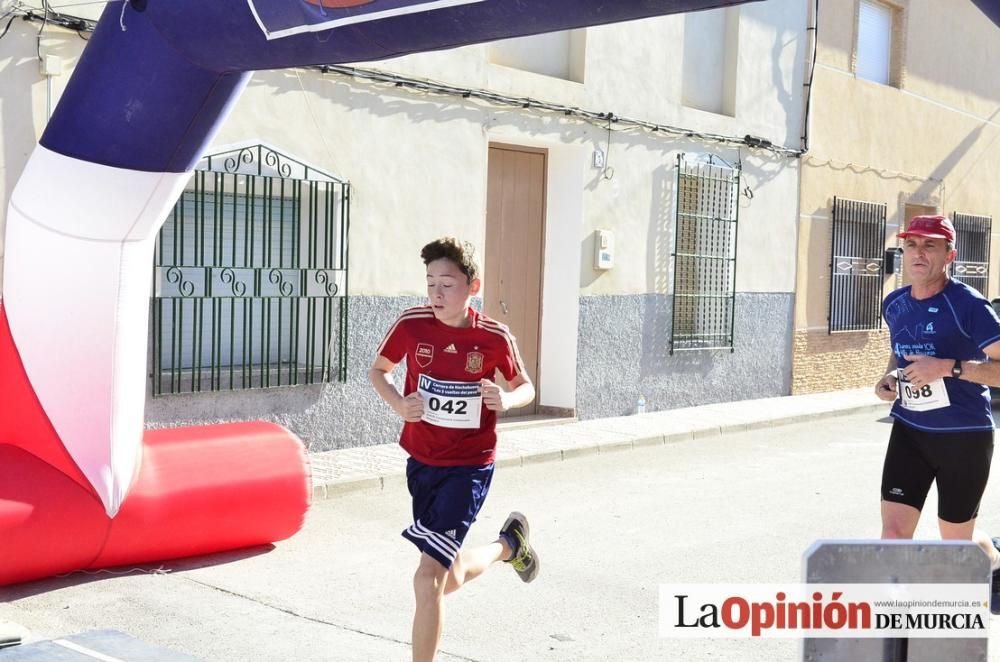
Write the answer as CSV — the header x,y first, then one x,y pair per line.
x,y
874,42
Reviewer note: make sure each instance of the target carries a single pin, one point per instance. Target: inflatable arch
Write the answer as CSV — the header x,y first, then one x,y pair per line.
x,y
81,486
991,8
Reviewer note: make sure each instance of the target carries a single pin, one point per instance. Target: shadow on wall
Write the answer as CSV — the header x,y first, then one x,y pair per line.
x,y
357,96
657,320
588,248
18,76
786,97
948,164
656,362
818,288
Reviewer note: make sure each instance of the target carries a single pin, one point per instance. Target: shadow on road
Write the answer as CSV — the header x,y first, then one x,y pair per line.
x,y
81,577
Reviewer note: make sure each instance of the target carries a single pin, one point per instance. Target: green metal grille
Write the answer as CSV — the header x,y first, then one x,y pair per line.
x,y
250,277
856,265
704,284
972,264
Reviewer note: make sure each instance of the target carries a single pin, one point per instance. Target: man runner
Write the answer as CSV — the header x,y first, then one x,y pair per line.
x,y
449,407
944,335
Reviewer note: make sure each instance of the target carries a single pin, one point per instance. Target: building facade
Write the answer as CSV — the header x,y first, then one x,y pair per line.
x,y
632,191
904,122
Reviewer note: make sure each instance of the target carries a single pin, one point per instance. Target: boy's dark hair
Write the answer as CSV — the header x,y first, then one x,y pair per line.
x,y
460,253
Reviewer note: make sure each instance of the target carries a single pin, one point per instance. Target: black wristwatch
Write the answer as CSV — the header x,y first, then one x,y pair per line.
x,y
956,370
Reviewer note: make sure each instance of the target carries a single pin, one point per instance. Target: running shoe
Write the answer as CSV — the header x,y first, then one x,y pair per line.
x,y
523,559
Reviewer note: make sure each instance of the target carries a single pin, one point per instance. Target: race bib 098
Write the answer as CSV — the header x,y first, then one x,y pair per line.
x,y
450,404
922,398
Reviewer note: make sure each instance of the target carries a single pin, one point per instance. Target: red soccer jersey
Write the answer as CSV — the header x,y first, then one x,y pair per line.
x,y
445,364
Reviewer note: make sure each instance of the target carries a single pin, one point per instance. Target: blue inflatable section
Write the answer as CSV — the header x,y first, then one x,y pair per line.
x,y
137,102
151,97
991,8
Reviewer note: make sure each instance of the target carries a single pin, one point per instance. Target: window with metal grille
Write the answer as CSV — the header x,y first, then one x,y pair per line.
x,y
856,268
704,290
250,277
972,265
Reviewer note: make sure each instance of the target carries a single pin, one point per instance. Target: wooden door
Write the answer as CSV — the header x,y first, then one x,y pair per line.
x,y
515,231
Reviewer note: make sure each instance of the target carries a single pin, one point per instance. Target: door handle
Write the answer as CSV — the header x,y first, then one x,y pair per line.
x,y
503,307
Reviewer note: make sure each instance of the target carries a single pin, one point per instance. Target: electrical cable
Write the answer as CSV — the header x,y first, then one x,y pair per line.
x,y
812,74
7,27
597,118
608,172
49,16
45,20
84,4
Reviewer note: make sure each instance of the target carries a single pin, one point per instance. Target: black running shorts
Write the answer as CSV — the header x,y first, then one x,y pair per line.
x,y
959,461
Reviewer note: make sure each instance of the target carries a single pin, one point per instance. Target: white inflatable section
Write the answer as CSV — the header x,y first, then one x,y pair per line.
x,y
77,280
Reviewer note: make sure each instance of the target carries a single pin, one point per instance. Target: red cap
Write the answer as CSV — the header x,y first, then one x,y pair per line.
x,y
932,227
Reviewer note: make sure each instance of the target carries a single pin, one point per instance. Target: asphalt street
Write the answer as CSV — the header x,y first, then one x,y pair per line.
x,y
609,528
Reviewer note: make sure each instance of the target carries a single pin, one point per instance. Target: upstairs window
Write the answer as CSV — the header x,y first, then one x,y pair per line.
x,y
877,58
555,54
711,45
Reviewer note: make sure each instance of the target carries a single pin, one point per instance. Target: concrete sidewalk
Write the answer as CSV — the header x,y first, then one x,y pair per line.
x,y
372,468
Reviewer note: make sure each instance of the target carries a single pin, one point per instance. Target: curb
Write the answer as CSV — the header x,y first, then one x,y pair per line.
x,y
374,484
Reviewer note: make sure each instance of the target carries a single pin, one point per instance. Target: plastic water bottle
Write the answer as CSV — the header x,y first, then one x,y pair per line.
x,y
640,406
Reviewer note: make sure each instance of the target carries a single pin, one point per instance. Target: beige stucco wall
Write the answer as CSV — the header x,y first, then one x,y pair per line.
x,y
931,142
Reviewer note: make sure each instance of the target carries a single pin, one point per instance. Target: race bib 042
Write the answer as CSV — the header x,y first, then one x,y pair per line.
x,y
450,404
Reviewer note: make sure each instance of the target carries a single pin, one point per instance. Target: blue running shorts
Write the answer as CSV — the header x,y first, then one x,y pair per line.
x,y
446,501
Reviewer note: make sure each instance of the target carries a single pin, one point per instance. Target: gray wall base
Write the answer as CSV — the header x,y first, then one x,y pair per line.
x,y
624,352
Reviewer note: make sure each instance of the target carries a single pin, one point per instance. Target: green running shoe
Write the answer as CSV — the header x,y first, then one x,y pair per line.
x,y
524,559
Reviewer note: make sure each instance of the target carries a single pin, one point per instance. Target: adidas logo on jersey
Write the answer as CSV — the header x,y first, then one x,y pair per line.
x,y
450,349
450,533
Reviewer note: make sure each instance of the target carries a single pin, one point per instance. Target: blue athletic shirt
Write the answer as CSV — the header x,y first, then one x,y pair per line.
x,y
956,323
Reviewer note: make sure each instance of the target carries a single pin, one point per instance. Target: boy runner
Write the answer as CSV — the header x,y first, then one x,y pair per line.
x,y
449,407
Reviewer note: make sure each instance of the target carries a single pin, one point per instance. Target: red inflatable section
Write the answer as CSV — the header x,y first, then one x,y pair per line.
x,y
23,422
199,490
208,489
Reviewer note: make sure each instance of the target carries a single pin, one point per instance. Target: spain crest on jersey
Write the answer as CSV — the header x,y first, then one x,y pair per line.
x,y
474,362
